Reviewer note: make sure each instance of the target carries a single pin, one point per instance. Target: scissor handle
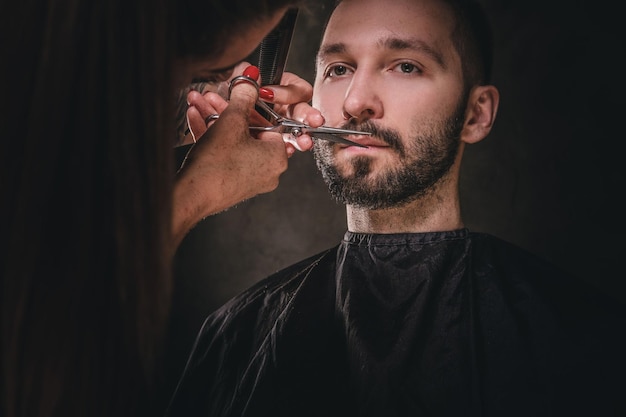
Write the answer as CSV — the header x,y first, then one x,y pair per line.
x,y
263,105
294,131
241,78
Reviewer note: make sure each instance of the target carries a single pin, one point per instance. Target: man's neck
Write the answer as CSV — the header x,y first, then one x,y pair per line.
x,y
437,211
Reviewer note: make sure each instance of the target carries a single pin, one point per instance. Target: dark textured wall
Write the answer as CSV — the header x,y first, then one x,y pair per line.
x,y
549,178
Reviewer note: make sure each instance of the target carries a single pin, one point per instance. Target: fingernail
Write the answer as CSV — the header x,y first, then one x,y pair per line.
x,y
266,94
252,72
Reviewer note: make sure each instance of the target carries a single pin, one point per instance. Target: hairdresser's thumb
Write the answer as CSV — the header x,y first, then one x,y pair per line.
x,y
242,98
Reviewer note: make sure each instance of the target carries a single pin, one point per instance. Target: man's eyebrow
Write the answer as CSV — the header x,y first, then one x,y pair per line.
x,y
331,49
393,43
399,44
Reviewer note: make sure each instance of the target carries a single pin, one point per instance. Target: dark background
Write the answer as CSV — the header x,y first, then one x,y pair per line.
x,y
549,177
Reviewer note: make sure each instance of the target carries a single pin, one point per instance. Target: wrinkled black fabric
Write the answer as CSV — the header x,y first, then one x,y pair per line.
x,y
433,324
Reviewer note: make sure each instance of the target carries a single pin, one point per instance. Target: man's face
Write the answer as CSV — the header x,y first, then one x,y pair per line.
x,y
391,68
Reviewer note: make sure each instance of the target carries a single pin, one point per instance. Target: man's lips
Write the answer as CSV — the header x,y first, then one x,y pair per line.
x,y
369,141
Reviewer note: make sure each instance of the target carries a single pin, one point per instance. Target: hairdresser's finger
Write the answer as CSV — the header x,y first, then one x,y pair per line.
x,y
198,106
216,101
303,143
198,113
196,123
207,103
243,96
239,69
304,113
292,89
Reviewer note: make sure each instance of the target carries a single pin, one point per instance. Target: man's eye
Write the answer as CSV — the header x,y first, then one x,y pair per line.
x,y
407,68
337,71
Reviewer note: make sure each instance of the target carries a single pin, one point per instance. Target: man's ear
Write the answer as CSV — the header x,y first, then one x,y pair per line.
x,y
482,107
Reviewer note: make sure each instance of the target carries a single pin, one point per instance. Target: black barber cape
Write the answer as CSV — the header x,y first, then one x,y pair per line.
x,y
433,324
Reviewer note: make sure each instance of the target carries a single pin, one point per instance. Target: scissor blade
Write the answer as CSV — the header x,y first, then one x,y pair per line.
x,y
334,138
271,128
336,131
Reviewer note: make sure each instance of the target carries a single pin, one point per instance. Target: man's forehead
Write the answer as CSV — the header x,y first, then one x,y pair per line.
x,y
406,18
386,41
420,25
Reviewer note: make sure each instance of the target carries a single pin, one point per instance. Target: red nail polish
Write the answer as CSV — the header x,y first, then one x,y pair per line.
x,y
252,72
266,94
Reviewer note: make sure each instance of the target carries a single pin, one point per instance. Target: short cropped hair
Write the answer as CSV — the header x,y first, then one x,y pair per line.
x,y
473,39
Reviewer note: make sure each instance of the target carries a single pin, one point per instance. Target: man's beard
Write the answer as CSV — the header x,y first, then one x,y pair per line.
x,y
422,163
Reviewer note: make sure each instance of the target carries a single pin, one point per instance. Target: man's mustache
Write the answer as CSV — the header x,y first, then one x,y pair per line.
x,y
388,136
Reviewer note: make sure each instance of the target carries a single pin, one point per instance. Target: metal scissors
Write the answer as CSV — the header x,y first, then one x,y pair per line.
x,y
291,127
294,128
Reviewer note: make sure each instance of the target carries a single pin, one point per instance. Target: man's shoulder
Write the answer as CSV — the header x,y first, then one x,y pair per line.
x,y
273,319
549,322
290,278
492,254
522,275
272,295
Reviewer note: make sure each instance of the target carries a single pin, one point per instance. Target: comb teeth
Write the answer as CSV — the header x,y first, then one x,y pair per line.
x,y
274,49
269,58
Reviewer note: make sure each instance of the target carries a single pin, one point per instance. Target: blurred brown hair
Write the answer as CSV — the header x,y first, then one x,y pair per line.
x,y
86,176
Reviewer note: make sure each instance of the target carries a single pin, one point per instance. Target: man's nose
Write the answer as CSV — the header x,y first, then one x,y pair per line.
x,y
362,101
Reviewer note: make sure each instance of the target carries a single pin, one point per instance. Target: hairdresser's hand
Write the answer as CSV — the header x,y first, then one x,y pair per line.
x,y
226,165
290,99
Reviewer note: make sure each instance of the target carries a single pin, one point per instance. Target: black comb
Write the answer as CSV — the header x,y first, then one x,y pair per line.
x,y
273,52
